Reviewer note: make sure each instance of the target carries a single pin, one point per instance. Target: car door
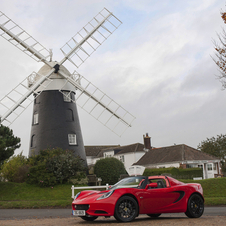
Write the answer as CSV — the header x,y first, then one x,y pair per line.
x,y
157,200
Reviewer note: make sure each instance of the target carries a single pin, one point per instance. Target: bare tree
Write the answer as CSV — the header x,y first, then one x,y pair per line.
x,y
221,53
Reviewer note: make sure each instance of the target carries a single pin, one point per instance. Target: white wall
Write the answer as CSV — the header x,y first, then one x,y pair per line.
x,y
130,158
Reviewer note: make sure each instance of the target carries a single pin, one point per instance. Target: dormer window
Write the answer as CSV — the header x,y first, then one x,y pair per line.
x,y
66,96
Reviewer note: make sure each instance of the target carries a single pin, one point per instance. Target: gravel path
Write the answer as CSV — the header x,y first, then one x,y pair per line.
x,y
180,221
165,219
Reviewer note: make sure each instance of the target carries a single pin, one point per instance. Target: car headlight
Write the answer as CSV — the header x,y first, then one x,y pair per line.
x,y
77,195
105,195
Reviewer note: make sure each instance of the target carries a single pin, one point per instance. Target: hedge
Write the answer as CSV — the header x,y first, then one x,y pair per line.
x,y
177,173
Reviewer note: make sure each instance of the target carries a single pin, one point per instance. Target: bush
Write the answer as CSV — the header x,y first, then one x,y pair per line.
x,y
55,166
15,169
177,173
39,175
109,170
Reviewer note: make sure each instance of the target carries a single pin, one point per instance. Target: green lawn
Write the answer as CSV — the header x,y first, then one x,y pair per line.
x,y
15,195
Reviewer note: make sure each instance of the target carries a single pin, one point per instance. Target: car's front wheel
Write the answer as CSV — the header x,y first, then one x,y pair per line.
x,y
91,218
195,207
126,209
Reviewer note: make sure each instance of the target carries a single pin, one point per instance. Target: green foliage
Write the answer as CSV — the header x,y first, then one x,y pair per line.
x,y
109,170
39,175
175,172
82,181
15,169
155,171
55,166
8,143
216,147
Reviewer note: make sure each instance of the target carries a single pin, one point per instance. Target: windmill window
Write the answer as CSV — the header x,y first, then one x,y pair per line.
x,y
35,118
69,115
72,139
66,96
33,141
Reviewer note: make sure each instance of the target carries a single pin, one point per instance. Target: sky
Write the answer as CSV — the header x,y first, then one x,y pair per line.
x,y
157,65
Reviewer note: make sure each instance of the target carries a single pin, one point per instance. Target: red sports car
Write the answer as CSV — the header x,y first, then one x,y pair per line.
x,y
132,196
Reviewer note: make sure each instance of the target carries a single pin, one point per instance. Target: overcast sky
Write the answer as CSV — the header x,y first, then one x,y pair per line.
x,y
157,65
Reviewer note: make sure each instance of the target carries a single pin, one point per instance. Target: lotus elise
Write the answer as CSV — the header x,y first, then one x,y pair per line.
x,y
132,196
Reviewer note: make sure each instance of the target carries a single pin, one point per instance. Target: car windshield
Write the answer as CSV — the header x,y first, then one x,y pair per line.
x,y
131,182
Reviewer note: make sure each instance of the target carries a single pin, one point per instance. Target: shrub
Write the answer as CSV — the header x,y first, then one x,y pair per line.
x,y
109,170
15,169
39,175
175,172
55,166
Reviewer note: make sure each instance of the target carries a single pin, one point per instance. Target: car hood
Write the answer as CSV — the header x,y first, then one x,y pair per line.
x,y
89,195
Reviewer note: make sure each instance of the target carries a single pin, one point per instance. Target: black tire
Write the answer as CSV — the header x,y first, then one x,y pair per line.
x,y
154,215
92,218
195,207
126,209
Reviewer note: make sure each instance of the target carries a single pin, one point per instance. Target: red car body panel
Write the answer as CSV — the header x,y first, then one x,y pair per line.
x,y
151,200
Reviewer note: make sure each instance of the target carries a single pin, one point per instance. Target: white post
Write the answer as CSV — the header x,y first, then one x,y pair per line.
x,y
107,185
73,192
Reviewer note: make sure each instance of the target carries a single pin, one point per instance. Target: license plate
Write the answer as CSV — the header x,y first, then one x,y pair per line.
x,y
79,212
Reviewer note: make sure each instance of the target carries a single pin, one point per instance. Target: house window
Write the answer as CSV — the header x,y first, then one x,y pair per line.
x,y
72,139
121,158
35,118
106,155
66,96
209,167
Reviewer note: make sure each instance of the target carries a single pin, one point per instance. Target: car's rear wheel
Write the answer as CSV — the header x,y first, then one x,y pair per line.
x,y
126,209
195,207
91,218
154,215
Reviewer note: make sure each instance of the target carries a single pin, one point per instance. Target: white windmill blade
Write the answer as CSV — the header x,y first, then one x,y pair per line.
x,y
21,39
17,100
98,104
90,37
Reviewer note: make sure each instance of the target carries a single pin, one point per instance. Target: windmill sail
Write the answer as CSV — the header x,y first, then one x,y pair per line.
x,y
18,99
99,105
21,39
90,37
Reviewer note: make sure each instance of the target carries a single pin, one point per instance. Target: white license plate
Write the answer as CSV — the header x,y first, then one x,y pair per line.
x,y
79,212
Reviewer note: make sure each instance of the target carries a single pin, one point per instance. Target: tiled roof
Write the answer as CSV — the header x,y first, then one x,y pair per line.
x,y
138,147
175,153
97,151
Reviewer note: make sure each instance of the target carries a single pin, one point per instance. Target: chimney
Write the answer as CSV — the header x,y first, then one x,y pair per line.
x,y
147,142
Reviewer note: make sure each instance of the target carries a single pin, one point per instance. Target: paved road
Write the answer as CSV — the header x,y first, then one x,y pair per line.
x,y
10,214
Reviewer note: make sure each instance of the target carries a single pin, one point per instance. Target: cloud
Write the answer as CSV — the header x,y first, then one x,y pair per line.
x,y
157,65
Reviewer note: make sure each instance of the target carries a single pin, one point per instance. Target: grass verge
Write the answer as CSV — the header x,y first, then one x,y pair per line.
x,y
15,195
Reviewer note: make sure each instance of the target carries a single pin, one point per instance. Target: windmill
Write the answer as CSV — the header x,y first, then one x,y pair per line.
x,y
57,92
